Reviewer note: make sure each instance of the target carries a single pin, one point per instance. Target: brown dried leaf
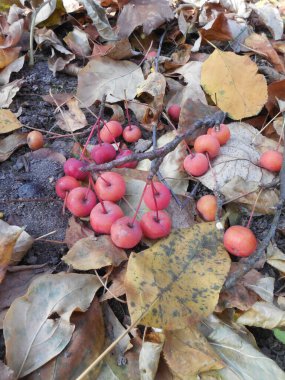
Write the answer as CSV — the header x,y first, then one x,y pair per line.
x,y
75,231
117,288
8,121
8,55
103,75
149,357
261,44
32,336
73,119
179,58
8,91
7,243
188,353
233,84
85,346
276,90
94,253
13,34
276,258
115,50
46,154
269,15
10,144
78,43
148,13
14,66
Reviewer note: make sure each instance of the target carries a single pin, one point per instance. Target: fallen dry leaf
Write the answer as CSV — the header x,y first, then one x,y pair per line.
x,y
117,287
269,15
276,258
32,335
182,217
188,353
75,231
8,91
260,43
73,119
12,33
8,121
264,288
276,90
233,84
85,346
45,11
8,55
149,357
165,295
263,314
148,13
103,75
6,372
121,49
94,253
236,168
14,66
243,360
179,58
78,43
10,144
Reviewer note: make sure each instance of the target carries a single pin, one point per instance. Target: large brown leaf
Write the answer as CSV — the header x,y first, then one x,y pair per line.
x,y
178,279
148,13
37,326
10,144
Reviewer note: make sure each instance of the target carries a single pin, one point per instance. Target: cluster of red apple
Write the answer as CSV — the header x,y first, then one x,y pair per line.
x,y
238,240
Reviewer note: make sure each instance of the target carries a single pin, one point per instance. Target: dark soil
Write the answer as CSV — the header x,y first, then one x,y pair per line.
x,y
32,178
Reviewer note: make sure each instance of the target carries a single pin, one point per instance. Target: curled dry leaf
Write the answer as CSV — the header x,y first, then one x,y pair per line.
x,y
171,167
182,217
45,11
233,84
148,13
75,231
117,287
276,258
242,359
236,170
263,314
118,113
78,43
149,357
32,335
264,288
269,15
14,66
121,49
10,144
166,298
94,253
276,90
179,58
188,353
261,44
85,346
8,55
72,119
7,243
8,91
12,33
106,76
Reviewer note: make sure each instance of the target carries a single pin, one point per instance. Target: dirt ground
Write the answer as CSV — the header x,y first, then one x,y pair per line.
x,y
32,178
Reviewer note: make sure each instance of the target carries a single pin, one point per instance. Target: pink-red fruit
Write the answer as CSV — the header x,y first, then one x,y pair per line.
x,y
124,153
80,201
196,164
240,241
271,160
35,140
174,112
111,131
132,133
207,207
151,54
156,228
64,185
157,196
207,144
222,133
102,153
101,219
125,233
72,168
110,186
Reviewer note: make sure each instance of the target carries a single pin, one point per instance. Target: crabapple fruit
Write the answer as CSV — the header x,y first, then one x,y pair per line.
x,y
111,131
64,185
207,207
35,140
124,153
102,153
222,133
240,241
156,196
110,186
151,54
132,133
207,144
271,160
196,164
174,112
153,227
72,168
80,201
126,233
101,219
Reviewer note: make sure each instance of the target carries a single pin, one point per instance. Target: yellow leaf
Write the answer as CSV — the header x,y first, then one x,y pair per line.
x,y
8,121
178,279
7,243
8,55
233,84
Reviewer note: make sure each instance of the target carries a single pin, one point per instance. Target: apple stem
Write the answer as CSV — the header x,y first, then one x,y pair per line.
x,y
107,182
138,206
154,191
100,200
253,208
89,138
64,203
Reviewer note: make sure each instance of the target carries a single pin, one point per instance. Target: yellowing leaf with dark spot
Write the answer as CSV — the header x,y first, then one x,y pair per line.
x,y
188,353
94,253
37,326
7,244
178,279
8,121
233,84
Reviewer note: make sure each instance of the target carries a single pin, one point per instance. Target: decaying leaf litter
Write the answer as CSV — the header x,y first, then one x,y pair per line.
x,y
86,51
